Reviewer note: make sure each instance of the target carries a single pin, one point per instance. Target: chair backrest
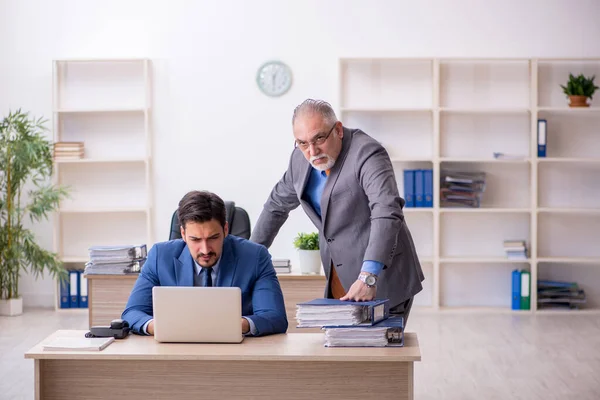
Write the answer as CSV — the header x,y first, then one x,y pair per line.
x,y
237,218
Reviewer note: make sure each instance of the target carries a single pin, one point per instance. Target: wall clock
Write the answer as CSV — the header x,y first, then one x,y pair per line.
x,y
274,78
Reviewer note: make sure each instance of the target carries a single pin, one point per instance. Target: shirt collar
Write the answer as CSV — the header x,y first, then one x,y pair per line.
x,y
215,267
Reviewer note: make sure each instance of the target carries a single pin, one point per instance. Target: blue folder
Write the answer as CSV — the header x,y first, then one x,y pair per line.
x,y
409,187
516,289
377,310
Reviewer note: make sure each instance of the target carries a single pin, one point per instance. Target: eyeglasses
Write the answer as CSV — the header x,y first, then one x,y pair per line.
x,y
316,141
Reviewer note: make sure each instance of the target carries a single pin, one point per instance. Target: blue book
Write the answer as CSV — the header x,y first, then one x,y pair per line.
x,y
333,312
542,137
428,187
409,187
65,294
419,189
386,333
516,289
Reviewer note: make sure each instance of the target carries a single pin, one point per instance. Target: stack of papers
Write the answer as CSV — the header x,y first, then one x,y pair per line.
x,y
78,344
116,260
326,312
389,332
318,316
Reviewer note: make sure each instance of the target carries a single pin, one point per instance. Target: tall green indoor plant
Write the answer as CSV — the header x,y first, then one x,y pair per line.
x,y
25,157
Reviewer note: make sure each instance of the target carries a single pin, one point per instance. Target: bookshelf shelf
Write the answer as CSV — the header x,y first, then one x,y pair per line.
x,y
102,160
104,104
482,260
101,110
454,114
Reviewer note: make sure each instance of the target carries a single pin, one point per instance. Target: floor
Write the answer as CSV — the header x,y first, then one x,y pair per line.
x,y
464,356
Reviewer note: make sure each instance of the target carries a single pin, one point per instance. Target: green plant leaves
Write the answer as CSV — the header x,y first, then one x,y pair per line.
x,y
25,157
307,241
580,86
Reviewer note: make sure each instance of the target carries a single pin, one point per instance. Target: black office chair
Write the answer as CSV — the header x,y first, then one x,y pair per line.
x,y
237,218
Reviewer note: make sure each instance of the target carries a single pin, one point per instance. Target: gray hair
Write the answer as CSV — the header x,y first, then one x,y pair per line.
x,y
311,106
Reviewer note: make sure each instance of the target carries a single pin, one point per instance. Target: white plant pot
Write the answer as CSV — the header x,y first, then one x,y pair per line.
x,y
310,261
11,307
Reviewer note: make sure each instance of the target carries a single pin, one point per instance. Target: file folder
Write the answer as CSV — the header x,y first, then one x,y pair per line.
x,y
542,137
428,187
83,291
325,312
516,289
74,289
419,189
409,188
386,333
525,290
65,293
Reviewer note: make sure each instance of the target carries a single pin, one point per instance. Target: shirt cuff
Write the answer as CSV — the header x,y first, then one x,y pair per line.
x,y
373,267
145,327
253,330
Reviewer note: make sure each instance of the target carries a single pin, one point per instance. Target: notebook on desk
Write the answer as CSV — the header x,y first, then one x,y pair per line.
x,y
78,344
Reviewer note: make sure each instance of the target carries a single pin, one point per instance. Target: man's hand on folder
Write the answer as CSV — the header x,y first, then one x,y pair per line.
x,y
359,291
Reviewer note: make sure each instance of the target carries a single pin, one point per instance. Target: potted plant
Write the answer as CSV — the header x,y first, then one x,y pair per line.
x,y
578,89
308,251
25,159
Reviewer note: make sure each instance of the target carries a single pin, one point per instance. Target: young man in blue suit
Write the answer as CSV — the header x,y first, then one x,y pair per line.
x,y
207,256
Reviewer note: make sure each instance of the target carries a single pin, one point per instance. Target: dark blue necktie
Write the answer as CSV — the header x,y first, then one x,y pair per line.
x,y
207,276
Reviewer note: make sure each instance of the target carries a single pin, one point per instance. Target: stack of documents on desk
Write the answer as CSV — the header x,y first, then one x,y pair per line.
x,y
116,259
325,312
387,333
78,344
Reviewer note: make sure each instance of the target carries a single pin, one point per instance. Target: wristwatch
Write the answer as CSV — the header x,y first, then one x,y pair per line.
x,y
369,279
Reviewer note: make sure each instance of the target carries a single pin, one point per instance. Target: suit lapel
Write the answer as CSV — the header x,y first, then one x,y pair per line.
x,y
184,268
228,264
334,174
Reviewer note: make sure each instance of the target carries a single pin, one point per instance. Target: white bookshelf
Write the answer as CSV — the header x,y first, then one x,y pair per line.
x,y
105,104
438,113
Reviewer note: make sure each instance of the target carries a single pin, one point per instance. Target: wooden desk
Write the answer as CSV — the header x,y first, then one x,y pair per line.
x,y
108,294
292,366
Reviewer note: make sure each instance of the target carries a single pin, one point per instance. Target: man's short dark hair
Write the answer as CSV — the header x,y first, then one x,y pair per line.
x,y
201,206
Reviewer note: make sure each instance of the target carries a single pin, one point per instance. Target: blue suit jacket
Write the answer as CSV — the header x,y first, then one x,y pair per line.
x,y
244,264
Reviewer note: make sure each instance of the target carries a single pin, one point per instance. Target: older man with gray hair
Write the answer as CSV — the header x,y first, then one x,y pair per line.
x,y
345,182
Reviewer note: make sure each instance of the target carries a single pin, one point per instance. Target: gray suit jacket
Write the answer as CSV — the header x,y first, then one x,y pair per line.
x,y
362,217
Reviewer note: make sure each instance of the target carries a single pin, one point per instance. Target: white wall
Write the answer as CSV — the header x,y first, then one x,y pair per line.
x,y
213,128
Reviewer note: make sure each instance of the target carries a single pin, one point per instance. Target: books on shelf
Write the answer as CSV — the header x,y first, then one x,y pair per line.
x,y
386,333
78,344
318,313
558,294
68,150
461,189
282,265
118,260
515,249
418,188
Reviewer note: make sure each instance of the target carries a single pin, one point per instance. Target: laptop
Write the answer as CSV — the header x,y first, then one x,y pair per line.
x,y
197,314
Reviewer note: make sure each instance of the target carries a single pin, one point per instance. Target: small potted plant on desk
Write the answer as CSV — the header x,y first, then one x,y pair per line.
x,y
579,89
308,251
25,158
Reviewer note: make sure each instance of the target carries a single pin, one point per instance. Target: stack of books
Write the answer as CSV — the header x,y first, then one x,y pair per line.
x,y
515,249
556,294
461,189
68,150
282,266
352,324
116,260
